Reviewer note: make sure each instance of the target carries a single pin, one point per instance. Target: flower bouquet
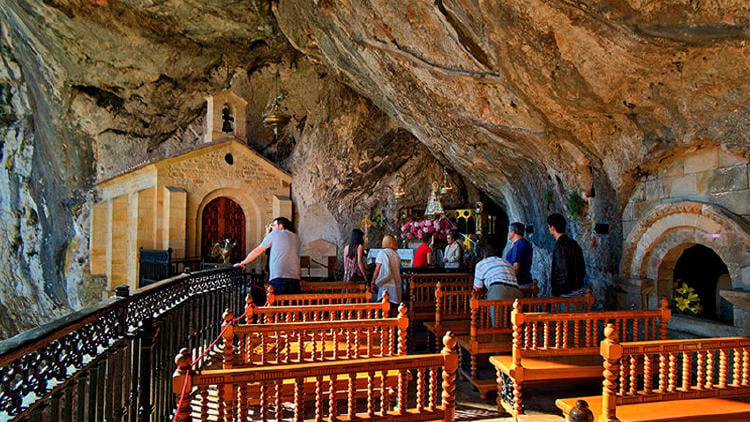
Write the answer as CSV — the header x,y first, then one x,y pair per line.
x,y
416,230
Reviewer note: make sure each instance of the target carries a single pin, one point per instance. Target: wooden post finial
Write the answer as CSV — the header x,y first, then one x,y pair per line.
x,y
249,309
663,303
182,360
270,296
438,290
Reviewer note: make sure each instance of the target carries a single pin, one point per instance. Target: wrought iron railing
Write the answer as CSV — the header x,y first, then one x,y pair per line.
x,y
114,362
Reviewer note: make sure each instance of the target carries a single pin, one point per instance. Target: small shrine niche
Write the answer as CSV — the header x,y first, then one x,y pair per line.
x,y
225,117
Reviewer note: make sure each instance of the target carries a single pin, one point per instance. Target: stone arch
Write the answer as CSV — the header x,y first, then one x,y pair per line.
x,y
253,215
658,239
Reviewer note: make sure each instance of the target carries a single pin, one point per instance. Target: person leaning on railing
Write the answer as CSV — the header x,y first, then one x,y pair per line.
x,y
283,265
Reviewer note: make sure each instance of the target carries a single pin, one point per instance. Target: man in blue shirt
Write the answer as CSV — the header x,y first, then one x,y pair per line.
x,y
520,255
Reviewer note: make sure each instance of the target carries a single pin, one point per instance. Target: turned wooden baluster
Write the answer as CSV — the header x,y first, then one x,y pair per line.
x,y
332,402
559,334
181,382
384,398
577,333
634,331
244,400
351,399
450,365
534,343
700,381
566,328
371,394
420,389
204,403
687,370
279,409
722,368
662,373
611,351
319,398
647,374
745,366
263,401
589,333
335,343
709,369
299,400
736,368
545,327
633,374
672,373
624,375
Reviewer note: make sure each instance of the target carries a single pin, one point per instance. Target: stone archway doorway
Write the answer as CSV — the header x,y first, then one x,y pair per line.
x,y
702,270
222,219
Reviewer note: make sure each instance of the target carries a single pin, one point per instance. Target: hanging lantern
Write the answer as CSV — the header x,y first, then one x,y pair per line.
x,y
273,115
446,185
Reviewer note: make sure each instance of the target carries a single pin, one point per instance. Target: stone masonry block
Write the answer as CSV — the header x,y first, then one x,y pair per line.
x,y
726,179
683,186
702,161
727,159
655,189
738,201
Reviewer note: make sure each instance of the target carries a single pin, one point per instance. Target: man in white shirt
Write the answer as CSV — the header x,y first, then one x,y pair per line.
x,y
496,275
283,264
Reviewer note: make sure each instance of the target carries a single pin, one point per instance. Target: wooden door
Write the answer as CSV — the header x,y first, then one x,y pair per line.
x,y
223,219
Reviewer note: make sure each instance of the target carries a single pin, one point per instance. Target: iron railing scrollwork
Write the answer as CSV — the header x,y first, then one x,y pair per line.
x,y
114,362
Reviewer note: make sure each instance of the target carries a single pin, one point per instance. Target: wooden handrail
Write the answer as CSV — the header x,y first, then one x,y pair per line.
x,y
331,286
314,298
300,313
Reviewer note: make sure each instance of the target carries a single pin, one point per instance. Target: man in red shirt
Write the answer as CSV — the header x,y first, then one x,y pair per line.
x,y
423,255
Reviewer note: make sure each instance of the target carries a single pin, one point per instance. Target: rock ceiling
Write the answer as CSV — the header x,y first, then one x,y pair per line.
x,y
526,100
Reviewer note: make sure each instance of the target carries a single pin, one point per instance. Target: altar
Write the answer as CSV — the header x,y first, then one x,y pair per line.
x,y
406,255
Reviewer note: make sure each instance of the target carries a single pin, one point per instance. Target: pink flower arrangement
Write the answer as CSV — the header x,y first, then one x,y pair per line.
x,y
415,230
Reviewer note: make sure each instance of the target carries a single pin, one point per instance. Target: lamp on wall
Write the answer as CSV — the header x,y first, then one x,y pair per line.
x,y
273,115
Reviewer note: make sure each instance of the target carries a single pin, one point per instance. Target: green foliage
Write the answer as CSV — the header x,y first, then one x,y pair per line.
x,y
576,205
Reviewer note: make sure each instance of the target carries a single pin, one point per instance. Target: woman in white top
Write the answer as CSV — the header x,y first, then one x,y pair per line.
x,y
387,275
453,252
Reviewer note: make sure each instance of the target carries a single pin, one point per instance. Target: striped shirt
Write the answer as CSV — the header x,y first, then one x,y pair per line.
x,y
492,270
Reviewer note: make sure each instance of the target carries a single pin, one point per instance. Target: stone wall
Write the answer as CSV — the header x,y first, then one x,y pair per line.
x,y
710,175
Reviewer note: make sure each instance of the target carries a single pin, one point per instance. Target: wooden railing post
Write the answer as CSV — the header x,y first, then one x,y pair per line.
x,y
438,312
611,351
227,332
385,302
270,296
181,384
146,347
450,366
403,324
666,314
474,316
249,309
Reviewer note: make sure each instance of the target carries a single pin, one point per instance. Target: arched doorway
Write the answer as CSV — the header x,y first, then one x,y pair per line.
x,y
223,219
702,270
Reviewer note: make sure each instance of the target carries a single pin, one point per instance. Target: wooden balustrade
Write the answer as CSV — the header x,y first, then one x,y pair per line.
x,y
565,346
336,312
304,299
490,328
421,292
331,287
299,342
710,372
322,389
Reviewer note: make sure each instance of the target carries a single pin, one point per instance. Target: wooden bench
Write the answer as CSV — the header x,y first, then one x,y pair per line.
x,y
331,287
485,338
704,379
227,391
299,342
556,347
346,311
421,292
453,308
302,299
